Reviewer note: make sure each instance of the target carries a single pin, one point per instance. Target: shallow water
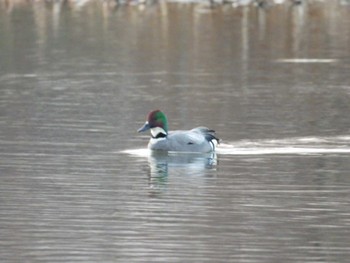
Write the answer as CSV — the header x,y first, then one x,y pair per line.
x,y
77,183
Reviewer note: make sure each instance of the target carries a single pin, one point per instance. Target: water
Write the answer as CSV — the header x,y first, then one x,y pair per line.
x,y
77,183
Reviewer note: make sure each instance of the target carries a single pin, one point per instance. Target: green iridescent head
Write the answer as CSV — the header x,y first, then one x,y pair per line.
x,y
155,119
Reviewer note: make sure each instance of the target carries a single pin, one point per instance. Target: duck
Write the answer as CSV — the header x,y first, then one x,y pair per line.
x,y
197,140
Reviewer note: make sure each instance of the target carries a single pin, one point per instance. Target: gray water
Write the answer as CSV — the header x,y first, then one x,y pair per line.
x,y
77,183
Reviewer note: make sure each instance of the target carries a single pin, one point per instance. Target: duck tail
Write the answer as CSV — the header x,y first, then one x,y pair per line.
x,y
210,137
209,134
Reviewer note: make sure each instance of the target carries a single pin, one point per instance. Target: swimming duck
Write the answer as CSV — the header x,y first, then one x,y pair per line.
x,y
200,139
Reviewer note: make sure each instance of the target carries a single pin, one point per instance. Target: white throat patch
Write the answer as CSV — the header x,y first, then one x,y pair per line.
x,y
156,130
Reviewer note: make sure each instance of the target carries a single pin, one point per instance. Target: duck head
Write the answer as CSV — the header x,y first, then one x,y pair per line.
x,y
156,122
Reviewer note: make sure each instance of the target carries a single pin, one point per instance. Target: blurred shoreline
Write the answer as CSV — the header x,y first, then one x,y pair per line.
x,y
113,4
328,9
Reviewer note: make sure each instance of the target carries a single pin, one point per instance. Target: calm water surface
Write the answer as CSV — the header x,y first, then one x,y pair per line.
x,y
78,185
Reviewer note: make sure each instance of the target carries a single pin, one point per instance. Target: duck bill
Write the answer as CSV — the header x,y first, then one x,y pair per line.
x,y
145,127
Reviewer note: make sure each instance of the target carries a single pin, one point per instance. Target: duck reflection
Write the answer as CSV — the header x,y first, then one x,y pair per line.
x,y
162,164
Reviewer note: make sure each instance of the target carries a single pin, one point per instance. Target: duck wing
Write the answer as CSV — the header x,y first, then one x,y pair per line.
x,y
196,140
209,134
186,137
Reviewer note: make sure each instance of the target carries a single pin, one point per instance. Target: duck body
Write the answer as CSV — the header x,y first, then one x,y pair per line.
x,y
199,140
196,140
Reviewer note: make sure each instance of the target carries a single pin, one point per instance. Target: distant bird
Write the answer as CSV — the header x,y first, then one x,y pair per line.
x,y
297,2
261,3
200,139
